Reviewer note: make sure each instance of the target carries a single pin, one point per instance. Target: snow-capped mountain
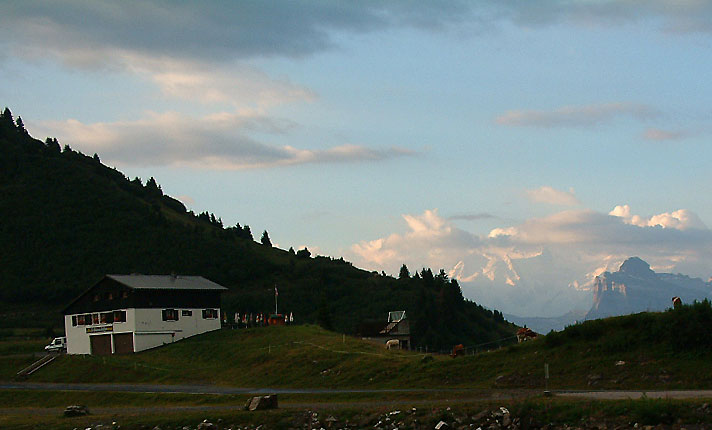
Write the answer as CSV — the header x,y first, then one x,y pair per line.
x,y
636,288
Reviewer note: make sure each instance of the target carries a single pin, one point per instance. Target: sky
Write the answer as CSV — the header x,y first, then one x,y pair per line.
x,y
523,147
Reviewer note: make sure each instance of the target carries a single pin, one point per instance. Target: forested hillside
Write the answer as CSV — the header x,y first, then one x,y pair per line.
x,y
67,220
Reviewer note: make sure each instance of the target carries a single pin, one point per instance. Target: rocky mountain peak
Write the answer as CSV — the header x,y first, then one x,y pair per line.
x,y
636,267
636,288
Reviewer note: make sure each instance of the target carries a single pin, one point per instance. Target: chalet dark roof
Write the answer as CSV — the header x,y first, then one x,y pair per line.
x,y
166,282
163,283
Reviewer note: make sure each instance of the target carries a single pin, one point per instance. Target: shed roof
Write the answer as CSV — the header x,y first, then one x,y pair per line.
x,y
166,282
395,316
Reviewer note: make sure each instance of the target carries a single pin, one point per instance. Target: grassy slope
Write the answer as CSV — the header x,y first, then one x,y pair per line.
x,y
581,357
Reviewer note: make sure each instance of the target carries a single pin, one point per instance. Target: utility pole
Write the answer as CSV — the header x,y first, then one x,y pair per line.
x,y
276,294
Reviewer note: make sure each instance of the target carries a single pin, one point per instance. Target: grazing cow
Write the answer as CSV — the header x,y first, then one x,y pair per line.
x,y
457,350
676,302
393,344
524,334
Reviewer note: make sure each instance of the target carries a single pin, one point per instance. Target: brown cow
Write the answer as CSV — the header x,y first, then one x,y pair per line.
x,y
676,302
457,350
524,334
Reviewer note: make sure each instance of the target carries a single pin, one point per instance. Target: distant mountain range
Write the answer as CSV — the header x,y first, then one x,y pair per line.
x,y
635,287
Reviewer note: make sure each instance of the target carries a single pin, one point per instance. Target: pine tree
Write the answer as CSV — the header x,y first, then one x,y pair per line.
x,y
404,272
20,125
265,239
6,118
53,145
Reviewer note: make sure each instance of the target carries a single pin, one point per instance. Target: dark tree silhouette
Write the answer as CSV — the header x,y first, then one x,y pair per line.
x,y
247,233
6,118
20,125
404,272
265,239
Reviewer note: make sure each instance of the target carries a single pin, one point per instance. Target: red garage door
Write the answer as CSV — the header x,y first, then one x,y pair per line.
x,y
101,344
123,343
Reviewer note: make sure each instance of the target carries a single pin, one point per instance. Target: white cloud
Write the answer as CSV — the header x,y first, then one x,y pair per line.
x,y
576,116
233,84
552,196
216,141
542,266
659,135
681,219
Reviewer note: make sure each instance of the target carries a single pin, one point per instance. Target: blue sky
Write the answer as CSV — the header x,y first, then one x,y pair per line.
x,y
523,147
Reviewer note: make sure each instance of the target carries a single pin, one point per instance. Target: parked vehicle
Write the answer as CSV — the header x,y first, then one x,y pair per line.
x,y
59,344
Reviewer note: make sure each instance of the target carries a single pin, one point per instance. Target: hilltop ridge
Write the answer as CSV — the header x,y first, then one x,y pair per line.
x,y
68,220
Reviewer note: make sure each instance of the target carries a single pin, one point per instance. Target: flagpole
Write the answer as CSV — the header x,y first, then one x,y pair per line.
x,y
275,299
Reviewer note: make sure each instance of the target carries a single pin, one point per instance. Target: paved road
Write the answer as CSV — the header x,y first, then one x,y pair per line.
x,y
616,395
478,393
205,389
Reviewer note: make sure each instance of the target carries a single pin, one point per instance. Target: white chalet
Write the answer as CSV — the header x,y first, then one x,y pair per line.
x,y
122,314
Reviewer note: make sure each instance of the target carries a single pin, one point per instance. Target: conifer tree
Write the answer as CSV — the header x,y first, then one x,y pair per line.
x,y
265,239
404,272
6,117
20,125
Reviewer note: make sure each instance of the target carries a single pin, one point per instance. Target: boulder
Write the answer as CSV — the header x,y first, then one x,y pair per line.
x,y
207,425
76,411
262,402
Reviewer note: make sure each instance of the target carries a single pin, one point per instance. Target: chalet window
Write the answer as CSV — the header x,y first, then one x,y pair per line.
x,y
74,320
107,317
210,314
80,319
109,296
95,319
170,315
87,319
124,294
96,297
186,313
119,316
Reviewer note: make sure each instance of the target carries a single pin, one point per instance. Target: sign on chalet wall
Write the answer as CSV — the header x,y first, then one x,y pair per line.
x,y
100,329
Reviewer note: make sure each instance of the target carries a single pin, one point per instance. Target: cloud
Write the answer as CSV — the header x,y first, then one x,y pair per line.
x,y
186,200
658,134
553,197
542,266
682,219
677,17
429,238
238,86
576,116
216,141
475,216
91,33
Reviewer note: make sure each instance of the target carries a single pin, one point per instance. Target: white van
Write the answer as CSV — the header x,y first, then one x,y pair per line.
x,y
59,344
